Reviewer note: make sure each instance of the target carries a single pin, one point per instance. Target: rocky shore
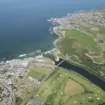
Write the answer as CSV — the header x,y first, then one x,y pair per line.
x,y
14,74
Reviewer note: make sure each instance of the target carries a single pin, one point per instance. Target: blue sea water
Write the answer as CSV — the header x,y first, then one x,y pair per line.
x,y
24,27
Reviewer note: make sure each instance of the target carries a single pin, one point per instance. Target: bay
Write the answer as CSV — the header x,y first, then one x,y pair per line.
x,y
24,27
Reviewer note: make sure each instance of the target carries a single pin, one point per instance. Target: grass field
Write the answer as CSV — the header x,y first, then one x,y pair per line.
x,y
69,88
87,49
37,73
57,86
76,41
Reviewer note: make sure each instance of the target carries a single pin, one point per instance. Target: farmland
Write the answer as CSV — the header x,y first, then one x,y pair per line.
x,y
82,40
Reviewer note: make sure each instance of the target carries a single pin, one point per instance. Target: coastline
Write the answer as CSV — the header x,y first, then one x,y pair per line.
x,y
93,15
19,72
56,25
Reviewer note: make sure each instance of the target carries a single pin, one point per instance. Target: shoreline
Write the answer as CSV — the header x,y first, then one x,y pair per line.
x,y
88,17
3,59
56,22
18,73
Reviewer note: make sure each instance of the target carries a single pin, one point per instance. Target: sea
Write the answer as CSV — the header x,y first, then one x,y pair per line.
x,y
24,26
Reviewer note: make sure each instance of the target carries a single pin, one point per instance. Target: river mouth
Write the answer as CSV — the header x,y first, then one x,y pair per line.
x,y
91,77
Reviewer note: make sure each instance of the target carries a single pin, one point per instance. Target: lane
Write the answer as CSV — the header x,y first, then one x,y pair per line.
x,y
94,79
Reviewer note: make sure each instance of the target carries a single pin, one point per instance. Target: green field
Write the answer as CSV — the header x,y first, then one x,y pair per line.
x,y
37,73
69,88
76,42
84,46
58,86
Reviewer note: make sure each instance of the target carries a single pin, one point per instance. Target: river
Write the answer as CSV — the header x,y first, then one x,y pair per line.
x,y
91,77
